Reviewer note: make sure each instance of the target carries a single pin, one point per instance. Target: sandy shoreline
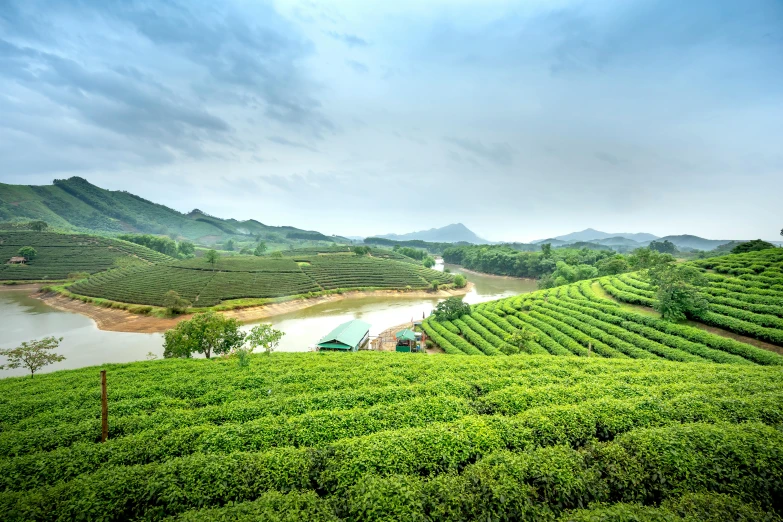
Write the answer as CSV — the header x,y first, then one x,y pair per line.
x,y
116,320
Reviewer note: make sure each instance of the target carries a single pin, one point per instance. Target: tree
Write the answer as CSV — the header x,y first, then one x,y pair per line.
x,y
751,246
186,249
520,340
546,249
28,253
642,258
361,250
265,336
175,304
229,245
207,333
33,355
451,308
212,257
460,281
428,261
39,226
612,265
664,247
260,249
435,285
677,295
276,253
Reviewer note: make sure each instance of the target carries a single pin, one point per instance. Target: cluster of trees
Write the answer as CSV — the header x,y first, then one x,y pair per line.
x,y
162,244
210,333
503,260
361,250
413,253
752,246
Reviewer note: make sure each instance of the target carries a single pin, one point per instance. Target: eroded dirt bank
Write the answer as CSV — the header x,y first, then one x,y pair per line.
x,y
117,320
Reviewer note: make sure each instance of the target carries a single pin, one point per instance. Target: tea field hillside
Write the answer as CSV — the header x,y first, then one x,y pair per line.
x,y
304,272
385,436
58,255
612,317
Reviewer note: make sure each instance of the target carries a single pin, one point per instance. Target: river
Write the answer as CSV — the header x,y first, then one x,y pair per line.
x,y
23,318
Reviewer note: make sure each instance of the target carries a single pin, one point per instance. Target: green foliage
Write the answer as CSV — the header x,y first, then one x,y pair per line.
x,y
677,296
617,264
361,250
277,253
161,244
643,258
663,247
174,303
751,246
428,261
265,336
212,257
460,281
451,308
329,437
32,355
229,245
260,249
28,252
413,253
546,250
521,339
206,333
186,249
38,226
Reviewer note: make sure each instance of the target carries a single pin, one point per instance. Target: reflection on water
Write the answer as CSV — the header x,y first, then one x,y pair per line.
x,y
23,318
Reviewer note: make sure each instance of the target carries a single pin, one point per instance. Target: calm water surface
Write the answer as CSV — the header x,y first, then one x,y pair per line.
x,y
23,318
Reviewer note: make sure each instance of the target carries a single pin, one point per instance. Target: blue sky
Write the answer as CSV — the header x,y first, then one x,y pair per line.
x,y
520,119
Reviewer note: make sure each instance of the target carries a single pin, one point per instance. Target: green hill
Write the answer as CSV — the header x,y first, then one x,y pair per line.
x,y
386,436
59,255
76,205
251,277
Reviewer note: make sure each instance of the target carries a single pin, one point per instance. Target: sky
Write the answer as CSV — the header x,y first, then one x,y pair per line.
x,y
520,119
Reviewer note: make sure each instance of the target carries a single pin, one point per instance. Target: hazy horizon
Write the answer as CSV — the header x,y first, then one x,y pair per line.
x,y
522,120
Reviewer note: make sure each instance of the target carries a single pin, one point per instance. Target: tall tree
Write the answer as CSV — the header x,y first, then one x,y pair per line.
x,y
212,257
33,355
260,249
265,336
546,249
451,308
677,291
208,333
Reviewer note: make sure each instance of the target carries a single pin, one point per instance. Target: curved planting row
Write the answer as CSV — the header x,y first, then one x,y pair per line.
x,y
442,438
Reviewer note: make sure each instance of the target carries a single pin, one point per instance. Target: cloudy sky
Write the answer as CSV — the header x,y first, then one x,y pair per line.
x,y
520,119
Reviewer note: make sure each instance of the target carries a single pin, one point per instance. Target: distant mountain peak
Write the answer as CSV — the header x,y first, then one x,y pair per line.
x,y
453,233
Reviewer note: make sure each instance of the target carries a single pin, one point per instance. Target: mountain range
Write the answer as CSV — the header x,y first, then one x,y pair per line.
x,y
590,234
453,233
74,204
624,242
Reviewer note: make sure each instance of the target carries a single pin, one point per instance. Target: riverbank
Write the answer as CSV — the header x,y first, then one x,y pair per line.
x,y
484,274
118,320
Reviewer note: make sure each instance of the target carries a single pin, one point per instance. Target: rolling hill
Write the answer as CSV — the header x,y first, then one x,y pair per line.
x,y
453,233
76,205
590,234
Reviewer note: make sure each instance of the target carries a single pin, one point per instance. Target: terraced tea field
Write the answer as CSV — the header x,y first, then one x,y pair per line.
x,y
385,436
250,277
63,254
589,318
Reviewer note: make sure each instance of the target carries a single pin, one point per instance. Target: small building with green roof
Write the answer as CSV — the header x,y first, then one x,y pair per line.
x,y
406,340
348,337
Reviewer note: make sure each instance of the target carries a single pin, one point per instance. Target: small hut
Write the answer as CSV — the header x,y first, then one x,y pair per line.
x,y
348,337
17,260
406,341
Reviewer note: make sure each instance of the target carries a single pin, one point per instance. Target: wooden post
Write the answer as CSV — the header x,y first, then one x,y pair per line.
x,y
104,408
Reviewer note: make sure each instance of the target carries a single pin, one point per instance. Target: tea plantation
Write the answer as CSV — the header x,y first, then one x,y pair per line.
x,y
251,277
385,436
61,254
744,295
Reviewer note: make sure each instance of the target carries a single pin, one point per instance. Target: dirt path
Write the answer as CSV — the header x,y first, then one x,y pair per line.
x,y
701,326
117,320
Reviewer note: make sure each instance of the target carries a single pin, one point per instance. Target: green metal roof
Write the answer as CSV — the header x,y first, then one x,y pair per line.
x,y
349,334
405,335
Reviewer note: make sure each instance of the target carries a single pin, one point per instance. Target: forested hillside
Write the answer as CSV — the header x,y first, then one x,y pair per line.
x,y
74,204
